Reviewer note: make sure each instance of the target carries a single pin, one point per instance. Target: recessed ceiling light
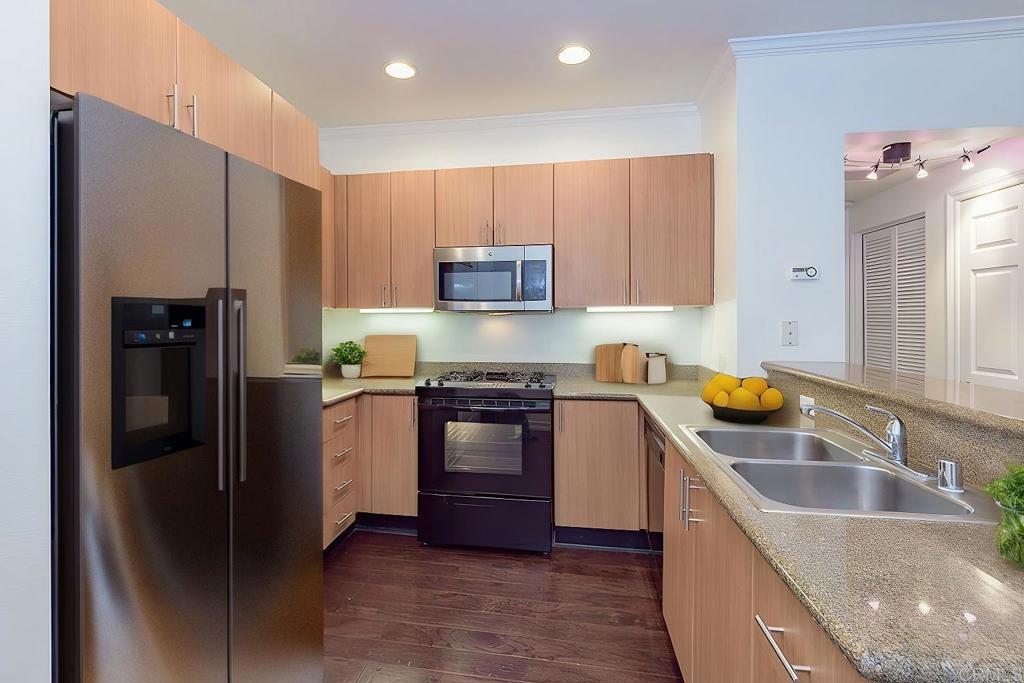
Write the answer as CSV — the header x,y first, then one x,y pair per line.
x,y
400,70
574,54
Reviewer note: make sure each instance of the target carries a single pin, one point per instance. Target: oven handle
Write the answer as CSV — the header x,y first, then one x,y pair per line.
x,y
486,409
519,280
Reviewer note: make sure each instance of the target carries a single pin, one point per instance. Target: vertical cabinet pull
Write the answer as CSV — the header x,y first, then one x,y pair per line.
x,y
383,296
791,669
194,107
637,291
684,495
394,296
689,518
625,292
413,411
173,97
561,415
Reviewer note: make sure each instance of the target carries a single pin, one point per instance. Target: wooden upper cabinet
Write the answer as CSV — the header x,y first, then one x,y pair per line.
x,y
412,239
523,204
671,231
597,452
123,52
203,88
327,249
393,485
250,134
464,206
591,233
296,143
340,241
369,244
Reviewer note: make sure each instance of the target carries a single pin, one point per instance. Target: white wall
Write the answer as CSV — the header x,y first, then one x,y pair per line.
x,y
928,196
717,105
523,139
795,103
24,347
566,336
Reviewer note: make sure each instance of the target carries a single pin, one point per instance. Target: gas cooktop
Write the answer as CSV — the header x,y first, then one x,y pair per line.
x,y
518,383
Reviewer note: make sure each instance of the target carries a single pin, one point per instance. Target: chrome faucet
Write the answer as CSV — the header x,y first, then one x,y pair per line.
x,y
895,444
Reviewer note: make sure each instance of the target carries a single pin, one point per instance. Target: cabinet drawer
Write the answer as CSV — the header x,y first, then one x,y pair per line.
x,y
340,449
339,483
339,517
339,419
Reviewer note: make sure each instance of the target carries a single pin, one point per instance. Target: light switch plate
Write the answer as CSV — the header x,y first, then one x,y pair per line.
x,y
790,333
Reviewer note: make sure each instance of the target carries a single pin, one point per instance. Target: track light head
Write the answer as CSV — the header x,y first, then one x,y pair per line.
x,y
921,172
966,158
874,172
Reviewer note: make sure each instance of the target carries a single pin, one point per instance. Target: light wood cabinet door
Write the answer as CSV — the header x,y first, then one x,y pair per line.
x,y
202,88
722,593
340,241
412,239
678,559
591,233
369,239
326,238
123,52
524,204
464,207
296,143
671,230
250,120
794,630
393,467
597,449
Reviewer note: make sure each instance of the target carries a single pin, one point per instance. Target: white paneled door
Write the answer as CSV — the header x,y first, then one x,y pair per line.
x,y
992,289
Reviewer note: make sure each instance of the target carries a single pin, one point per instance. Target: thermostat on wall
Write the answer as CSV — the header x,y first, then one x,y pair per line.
x,y
803,273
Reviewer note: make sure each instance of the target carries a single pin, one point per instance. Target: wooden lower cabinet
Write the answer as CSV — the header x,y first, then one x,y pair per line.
x,y
341,488
393,466
716,583
597,472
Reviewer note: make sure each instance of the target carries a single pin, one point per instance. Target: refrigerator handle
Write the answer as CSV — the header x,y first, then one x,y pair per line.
x,y
220,394
242,377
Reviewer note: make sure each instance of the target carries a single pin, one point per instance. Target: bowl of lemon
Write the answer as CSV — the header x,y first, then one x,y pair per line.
x,y
747,401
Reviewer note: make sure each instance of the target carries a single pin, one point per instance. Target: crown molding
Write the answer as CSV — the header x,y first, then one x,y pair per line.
x,y
576,116
879,36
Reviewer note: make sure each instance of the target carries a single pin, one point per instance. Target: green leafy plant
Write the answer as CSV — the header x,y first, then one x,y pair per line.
x,y
348,353
1009,493
306,357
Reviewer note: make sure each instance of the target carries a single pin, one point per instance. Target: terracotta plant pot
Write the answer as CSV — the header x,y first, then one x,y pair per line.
x,y
351,371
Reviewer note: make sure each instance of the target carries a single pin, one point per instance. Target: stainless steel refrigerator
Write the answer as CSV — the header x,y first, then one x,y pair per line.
x,y
187,455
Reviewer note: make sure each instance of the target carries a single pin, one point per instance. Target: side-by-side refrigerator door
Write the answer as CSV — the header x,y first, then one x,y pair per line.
x,y
142,587
277,575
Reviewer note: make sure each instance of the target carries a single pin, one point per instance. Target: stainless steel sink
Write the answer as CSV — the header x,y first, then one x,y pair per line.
x,y
814,471
858,489
768,444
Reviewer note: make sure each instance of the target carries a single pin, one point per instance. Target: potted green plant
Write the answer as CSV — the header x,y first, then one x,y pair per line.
x,y
1009,495
349,355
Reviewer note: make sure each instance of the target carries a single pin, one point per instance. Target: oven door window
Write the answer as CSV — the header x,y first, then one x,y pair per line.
x,y
483,448
477,281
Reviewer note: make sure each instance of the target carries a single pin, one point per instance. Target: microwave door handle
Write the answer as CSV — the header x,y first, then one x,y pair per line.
x,y
519,280
242,381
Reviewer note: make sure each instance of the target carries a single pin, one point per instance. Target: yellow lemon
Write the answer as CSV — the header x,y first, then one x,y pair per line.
x,y
711,390
742,399
727,382
755,385
721,399
771,399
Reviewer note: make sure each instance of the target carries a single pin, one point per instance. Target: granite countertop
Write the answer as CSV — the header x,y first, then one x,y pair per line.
x,y
906,601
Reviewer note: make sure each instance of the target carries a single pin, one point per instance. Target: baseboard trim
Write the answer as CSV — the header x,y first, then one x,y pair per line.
x,y
608,539
391,524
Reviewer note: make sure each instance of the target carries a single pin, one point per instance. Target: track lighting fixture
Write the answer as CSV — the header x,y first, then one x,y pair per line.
x,y
966,158
874,172
896,157
921,172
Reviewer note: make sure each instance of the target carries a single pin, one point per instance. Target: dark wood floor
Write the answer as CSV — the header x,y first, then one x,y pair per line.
x,y
399,613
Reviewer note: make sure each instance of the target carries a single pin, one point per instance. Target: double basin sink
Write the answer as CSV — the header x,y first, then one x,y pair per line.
x,y
825,472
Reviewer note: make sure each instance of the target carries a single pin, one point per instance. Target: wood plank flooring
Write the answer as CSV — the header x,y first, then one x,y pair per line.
x,y
396,612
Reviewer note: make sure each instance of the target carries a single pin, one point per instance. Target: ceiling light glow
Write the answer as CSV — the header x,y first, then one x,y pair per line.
x,y
396,310
574,54
400,70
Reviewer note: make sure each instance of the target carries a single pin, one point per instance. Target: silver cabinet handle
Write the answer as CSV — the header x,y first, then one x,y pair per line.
x,y
413,420
684,495
497,233
790,668
342,520
342,486
195,116
488,237
342,454
561,415
383,296
689,518
625,292
173,97
342,419
637,291
394,296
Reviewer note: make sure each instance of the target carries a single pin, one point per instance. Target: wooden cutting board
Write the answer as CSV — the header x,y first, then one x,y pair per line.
x,y
608,362
632,364
390,355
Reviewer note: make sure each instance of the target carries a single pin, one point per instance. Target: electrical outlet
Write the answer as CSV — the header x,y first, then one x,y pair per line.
x,y
790,333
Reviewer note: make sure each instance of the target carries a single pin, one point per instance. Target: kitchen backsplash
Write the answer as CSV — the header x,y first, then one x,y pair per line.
x,y
565,336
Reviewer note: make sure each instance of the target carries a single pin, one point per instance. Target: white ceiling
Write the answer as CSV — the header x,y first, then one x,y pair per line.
x,y
940,146
492,57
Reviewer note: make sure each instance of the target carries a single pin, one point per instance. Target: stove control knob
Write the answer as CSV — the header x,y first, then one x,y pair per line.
x,y
427,383
440,382
527,385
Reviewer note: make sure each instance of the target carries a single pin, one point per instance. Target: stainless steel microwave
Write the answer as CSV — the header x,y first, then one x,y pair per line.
x,y
494,279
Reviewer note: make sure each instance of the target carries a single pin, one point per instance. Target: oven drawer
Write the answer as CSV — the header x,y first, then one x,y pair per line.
x,y
486,521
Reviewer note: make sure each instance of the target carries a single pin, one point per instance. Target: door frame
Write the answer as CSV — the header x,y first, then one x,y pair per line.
x,y
953,201
855,283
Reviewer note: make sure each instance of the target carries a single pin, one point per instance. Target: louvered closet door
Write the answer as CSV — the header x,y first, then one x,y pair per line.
x,y
894,306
